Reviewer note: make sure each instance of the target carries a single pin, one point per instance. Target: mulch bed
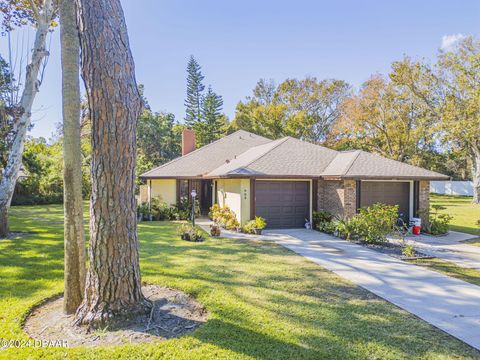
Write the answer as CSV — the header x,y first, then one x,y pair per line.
x,y
174,314
393,250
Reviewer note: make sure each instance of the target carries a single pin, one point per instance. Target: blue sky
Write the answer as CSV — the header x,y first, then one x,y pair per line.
x,y
239,42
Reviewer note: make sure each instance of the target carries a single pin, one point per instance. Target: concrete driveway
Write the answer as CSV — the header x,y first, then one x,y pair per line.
x,y
448,247
447,303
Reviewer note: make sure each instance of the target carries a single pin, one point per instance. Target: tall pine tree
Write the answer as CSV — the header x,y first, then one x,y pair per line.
x,y
212,122
193,102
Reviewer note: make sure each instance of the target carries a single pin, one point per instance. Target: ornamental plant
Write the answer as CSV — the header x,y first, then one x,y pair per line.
x,y
438,223
224,217
321,220
373,223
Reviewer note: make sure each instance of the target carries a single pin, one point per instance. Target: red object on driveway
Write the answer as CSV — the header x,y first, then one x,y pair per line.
x,y
416,230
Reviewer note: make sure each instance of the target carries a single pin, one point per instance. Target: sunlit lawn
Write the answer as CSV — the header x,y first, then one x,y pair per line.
x,y
465,214
263,300
449,268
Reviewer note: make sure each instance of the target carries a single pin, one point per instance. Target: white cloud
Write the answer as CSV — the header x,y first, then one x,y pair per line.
x,y
449,41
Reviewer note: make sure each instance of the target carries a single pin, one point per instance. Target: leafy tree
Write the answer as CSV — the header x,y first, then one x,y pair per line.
x,y
212,124
158,141
312,106
386,119
41,15
460,77
43,167
262,119
451,91
195,87
305,109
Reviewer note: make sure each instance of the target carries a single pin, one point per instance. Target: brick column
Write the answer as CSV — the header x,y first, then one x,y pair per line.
x,y
321,194
424,200
350,198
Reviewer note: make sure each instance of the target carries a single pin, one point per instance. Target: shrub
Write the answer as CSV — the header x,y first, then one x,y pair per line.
x,y
375,222
143,210
328,227
346,228
224,217
320,219
190,233
215,230
183,210
214,212
161,211
258,223
248,228
409,250
438,224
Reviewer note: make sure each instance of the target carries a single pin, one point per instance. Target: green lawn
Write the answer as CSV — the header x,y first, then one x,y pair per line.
x,y
465,214
450,269
264,301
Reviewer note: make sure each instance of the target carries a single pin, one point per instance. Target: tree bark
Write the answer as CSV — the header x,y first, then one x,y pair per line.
x,y
22,120
74,236
476,174
113,286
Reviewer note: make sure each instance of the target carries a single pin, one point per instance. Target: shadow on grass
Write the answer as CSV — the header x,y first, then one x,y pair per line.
x,y
264,300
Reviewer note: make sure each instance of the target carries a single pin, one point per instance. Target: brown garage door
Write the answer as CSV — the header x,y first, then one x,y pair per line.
x,y
390,193
284,204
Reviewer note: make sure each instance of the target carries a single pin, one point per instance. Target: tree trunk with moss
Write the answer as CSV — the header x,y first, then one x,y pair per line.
x,y
113,286
74,235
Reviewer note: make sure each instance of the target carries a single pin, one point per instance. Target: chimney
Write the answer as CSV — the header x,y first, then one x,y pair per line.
x,y
188,141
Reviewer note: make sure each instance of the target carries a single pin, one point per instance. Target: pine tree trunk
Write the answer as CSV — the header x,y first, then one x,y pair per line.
x,y
476,174
74,236
113,286
23,119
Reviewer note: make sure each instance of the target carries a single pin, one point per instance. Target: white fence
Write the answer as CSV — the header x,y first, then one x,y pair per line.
x,y
452,187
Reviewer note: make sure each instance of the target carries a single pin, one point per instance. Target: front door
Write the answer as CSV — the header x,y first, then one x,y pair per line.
x,y
206,198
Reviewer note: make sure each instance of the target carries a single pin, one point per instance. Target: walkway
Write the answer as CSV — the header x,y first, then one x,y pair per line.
x,y
448,247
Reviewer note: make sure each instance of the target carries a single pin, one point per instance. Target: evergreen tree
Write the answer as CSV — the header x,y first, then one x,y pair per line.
x,y
193,102
212,122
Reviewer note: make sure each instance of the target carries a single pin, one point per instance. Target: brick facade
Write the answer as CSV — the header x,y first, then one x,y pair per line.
x,y
424,200
350,203
337,197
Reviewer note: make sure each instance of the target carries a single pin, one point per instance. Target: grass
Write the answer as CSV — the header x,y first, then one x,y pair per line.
x,y
465,213
449,268
263,300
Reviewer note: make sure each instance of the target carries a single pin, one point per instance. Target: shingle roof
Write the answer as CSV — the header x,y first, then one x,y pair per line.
x,y
284,157
363,164
243,154
208,157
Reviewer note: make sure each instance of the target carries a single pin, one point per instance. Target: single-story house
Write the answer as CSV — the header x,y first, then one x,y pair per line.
x,y
285,180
